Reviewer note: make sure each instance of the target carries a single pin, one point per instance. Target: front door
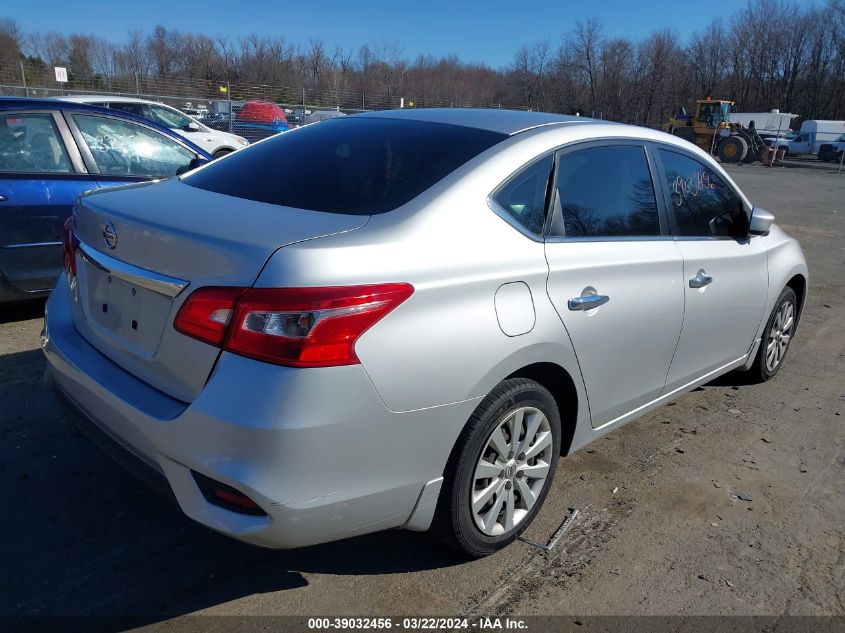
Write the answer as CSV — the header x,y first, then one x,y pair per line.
x,y
725,271
615,276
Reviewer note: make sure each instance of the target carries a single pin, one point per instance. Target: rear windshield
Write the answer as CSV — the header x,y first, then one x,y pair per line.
x,y
354,165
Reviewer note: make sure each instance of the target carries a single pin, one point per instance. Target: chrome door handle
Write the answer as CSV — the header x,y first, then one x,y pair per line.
x,y
700,280
587,302
3,198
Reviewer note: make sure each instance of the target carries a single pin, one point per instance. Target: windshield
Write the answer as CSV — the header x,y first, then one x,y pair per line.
x,y
356,165
169,117
714,113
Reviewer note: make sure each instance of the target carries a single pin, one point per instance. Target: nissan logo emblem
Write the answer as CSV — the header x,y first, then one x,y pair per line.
x,y
110,235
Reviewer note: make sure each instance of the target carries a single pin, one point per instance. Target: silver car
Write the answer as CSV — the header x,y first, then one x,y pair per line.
x,y
403,319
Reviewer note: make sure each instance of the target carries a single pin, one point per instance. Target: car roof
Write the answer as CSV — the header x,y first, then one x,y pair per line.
x,y
492,119
107,99
35,103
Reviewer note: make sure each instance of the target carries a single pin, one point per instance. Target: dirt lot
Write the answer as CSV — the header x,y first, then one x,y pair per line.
x,y
79,536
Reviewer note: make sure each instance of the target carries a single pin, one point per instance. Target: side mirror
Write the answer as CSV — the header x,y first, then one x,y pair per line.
x,y
761,221
195,162
193,126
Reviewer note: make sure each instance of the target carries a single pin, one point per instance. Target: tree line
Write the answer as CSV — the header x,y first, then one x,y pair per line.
x,y
769,54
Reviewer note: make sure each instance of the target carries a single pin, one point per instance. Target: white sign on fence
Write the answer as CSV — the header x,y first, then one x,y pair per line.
x,y
61,74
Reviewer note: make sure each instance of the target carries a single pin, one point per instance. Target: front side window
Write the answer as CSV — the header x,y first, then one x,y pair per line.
x,y
356,165
703,204
169,118
607,192
123,148
523,196
30,143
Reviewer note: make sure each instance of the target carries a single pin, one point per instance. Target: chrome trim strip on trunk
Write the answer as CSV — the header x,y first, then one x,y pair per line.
x,y
162,284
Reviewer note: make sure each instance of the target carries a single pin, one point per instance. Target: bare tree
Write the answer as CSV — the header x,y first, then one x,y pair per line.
x,y
787,54
587,41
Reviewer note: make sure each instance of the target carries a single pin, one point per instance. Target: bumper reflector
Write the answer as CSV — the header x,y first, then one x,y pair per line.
x,y
226,497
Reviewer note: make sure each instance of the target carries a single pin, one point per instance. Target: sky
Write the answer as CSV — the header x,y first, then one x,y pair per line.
x,y
475,31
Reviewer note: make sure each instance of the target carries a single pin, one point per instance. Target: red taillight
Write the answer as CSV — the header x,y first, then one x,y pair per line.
x,y
207,312
69,248
298,327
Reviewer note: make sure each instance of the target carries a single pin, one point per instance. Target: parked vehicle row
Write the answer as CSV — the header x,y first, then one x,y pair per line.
x,y
412,331
260,119
52,151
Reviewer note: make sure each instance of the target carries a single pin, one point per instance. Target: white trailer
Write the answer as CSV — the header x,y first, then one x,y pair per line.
x,y
772,121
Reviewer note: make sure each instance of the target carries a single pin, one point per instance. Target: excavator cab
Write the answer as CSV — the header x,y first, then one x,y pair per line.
x,y
713,113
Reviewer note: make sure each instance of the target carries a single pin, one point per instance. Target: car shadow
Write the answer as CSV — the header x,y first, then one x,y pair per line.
x,y
23,311
734,379
83,538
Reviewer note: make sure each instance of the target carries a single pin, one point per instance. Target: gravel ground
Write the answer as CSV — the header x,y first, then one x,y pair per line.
x,y
729,501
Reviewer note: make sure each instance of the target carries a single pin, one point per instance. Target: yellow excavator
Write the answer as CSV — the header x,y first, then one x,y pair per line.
x,y
711,129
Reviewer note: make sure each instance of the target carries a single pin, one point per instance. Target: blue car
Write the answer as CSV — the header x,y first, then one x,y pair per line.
x,y
52,151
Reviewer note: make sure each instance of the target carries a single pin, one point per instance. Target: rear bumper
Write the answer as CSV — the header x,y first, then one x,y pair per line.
x,y
316,449
144,469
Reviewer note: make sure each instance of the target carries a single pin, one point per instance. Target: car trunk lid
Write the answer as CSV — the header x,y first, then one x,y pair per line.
x,y
144,249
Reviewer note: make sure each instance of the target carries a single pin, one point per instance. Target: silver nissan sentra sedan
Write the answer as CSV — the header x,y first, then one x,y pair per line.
x,y
403,319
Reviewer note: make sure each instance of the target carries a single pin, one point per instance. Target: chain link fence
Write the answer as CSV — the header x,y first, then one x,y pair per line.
x,y
218,103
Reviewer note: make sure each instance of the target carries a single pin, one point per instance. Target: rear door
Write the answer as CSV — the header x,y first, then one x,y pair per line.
x,y
41,175
615,274
725,272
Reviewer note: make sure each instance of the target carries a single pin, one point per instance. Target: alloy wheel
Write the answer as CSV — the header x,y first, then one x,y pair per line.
x,y
780,335
511,471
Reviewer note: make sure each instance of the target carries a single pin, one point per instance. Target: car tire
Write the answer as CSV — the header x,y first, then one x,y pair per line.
x,y
222,152
516,403
772,351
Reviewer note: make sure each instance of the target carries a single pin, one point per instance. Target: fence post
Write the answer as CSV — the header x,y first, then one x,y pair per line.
x,y
363,105
137,86
231,112
23,78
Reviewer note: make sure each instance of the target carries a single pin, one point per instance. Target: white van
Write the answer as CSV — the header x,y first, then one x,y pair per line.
x,y
814,133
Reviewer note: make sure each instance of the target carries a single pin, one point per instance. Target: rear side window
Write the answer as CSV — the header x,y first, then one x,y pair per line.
x,y
359,166
132,108
704,206
30,143
607,192
523,196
